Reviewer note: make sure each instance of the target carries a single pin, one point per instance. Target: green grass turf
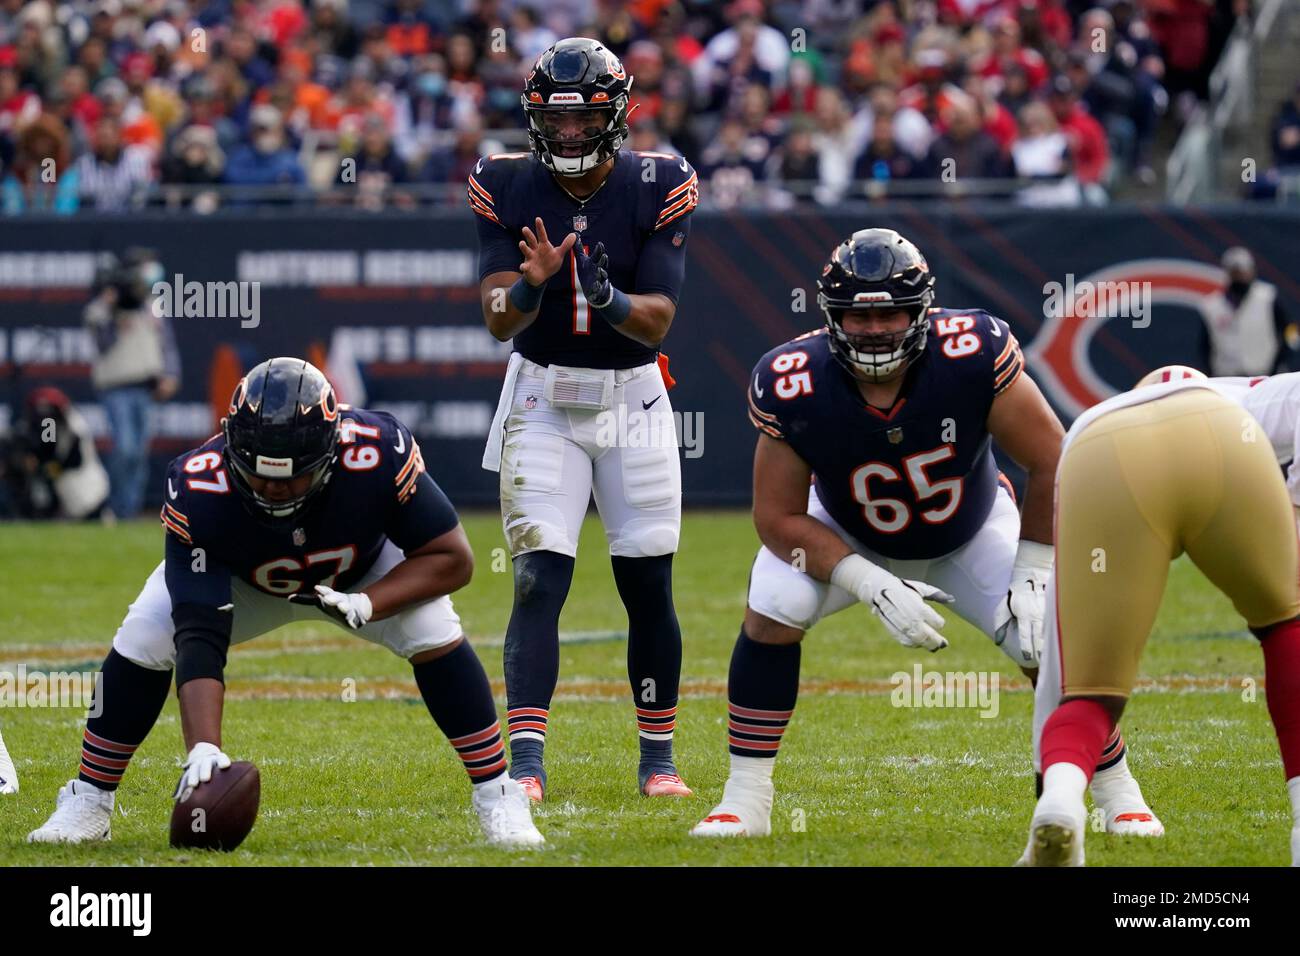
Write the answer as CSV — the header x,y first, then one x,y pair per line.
x,y
859,781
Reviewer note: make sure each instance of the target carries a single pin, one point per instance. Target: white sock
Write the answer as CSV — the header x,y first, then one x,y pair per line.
x,y
752,770
494,785
1116,783
1293,788
1064,782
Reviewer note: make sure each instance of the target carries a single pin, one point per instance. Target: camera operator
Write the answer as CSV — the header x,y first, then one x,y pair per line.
x,y
137,364
50,464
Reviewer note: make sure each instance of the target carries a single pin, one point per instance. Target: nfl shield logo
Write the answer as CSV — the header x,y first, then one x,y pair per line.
x,y
579,223
895,435
530,402
299,537
679,238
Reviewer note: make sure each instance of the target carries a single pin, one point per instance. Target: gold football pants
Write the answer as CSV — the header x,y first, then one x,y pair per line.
x,y
1139,486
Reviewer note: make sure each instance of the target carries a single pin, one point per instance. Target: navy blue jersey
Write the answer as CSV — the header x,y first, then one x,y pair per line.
x,y
913,481
378,491
642,215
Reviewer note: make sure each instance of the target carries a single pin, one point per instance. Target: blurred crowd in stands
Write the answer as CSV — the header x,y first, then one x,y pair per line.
x,y
107,104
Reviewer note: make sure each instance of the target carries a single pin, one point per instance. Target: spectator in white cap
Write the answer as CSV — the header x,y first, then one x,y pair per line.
x,y
1247,330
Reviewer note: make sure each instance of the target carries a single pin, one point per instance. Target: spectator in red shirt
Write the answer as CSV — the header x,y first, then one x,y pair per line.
x,y
800,92
18,107
1182,29
1008,52
999,120
82,105
1088,147
931,94
410,32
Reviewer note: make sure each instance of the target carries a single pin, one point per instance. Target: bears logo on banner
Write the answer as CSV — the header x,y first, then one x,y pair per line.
x,y
1060,352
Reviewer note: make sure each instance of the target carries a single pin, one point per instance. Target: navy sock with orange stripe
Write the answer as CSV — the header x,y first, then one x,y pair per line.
x,y
762,688
532,655
455,688
128,700
654,656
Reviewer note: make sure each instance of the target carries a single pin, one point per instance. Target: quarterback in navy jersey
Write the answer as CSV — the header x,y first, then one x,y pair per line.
x,y
300,509
875,482
582,254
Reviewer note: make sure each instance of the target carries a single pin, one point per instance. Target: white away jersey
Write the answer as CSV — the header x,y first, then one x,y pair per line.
x,y
1273,401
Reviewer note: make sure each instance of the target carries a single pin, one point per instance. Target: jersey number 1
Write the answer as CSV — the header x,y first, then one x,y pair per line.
x,y
581,310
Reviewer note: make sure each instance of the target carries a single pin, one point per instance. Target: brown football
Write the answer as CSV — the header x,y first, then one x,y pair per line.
x,y
219,813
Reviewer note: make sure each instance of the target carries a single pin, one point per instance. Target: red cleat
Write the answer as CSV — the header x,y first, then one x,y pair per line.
x,y
531,786
665,785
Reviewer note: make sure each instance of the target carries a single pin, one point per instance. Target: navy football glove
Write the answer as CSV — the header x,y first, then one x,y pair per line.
x,y
593,276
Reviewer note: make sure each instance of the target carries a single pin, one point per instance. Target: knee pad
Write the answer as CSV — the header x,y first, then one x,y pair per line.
x,y
645,538
542,529
779,592
146,641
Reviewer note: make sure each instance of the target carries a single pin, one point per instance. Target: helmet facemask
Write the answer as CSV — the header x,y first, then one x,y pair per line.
x,y
601,138
279,513
875,356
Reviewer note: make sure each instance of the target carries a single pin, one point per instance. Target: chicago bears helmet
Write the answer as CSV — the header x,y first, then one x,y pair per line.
x,y
876,269
282,423
576,75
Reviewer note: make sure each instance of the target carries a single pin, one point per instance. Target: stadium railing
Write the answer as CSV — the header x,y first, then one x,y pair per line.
x,y
277,199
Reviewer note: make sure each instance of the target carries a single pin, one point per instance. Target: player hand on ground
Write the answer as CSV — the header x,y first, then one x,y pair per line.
x,y
1026,602
203,761
541,259
899,604
593,276
350,608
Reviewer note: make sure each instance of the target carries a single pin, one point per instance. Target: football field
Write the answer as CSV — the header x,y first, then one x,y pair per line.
x,y
354,771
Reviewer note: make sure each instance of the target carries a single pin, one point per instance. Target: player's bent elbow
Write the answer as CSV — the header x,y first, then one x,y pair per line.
x,y
497,325
773,530
455,568
464,569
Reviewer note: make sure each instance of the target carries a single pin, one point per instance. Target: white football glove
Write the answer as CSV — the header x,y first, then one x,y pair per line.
x,y
1026,602
203,761
352,608
899,604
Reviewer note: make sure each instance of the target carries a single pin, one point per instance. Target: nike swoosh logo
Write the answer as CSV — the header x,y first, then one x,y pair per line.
x,y
478,167
757,391
996,331
683,165
170,490
646,405
401,442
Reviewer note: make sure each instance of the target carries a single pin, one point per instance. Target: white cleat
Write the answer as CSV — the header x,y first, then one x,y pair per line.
x,y
1117,793
745,810
81,814
8,774
1133,819
505,814
1055,836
